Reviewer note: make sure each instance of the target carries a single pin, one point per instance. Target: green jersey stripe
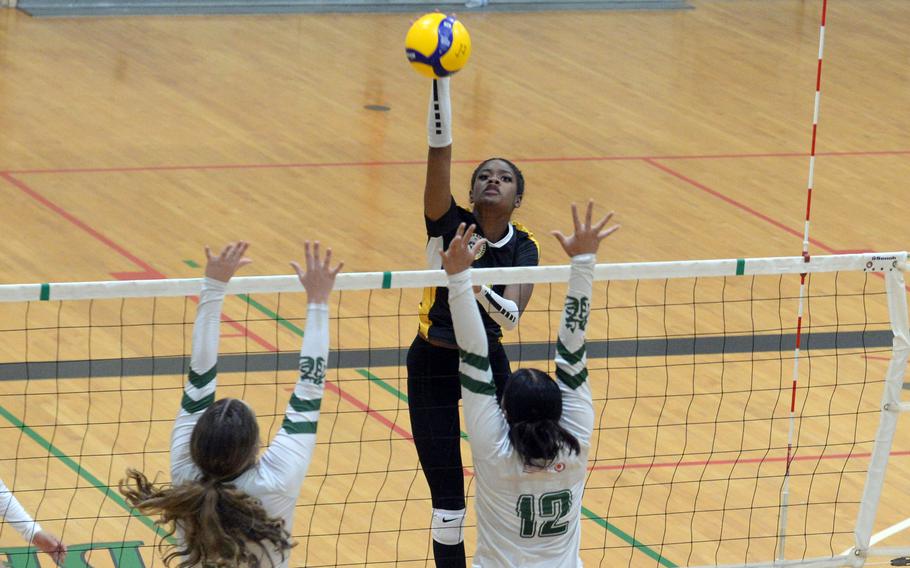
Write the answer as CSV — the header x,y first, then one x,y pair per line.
x,y
205,378
292,427
304,405
476,386
570,380
194,406
479,362
572,358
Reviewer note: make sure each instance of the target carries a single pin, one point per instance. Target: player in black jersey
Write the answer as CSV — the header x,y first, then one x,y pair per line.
x,y
497,189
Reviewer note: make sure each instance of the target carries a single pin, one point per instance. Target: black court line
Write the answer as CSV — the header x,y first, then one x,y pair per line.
x,y
393,357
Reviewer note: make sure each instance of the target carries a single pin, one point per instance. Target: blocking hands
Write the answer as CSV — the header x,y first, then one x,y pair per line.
x,y
223,266
587,236
319,278
461,253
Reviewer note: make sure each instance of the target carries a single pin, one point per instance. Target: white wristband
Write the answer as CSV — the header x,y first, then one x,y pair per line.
x,y
502,311
439,115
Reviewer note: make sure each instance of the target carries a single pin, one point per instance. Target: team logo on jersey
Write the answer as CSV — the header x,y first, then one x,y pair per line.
x,y
577,310
559,467
481,249
312,369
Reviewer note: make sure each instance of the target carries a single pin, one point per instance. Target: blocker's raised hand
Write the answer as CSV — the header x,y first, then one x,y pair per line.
x,y
586,238
319,278
231,259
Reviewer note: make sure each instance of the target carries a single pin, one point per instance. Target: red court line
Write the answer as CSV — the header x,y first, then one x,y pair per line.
x,y
675,464
147,269
369,164
85,227
737,204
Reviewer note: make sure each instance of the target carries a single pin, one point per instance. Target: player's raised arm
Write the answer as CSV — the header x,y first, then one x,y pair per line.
x,y
571,352
199,390
437,194
483,419
288,457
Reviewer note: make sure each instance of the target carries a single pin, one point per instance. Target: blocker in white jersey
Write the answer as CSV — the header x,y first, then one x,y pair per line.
x,y
530,455
229,506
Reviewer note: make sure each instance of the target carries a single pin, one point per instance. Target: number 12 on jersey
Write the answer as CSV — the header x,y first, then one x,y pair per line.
x,y
551,508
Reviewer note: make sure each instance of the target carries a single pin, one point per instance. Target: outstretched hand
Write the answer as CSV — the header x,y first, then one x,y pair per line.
x,y
586,238
319,278
231,259
46,542
461,253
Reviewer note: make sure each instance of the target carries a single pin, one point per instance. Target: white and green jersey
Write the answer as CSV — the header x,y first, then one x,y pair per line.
x,y
527,517
277,477
12,513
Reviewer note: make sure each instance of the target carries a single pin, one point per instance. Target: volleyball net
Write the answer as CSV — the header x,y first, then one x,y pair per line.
x,y
691,364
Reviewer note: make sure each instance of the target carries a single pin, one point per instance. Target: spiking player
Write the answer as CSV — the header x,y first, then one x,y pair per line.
x,y
228,507
12,512
497,189
530,454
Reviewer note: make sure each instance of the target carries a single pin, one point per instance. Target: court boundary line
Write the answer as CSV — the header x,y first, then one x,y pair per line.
x,y
69,462
388,163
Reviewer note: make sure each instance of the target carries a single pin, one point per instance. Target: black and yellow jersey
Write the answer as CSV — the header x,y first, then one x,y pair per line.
x,y
517,248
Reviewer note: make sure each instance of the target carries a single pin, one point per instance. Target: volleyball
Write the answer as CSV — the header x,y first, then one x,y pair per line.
x,y
437,45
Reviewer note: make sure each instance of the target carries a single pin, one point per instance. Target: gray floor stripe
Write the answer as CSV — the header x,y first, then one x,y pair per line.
x,y
518,354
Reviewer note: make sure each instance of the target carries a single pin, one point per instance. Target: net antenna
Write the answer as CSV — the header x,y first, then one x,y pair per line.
x,y
785,487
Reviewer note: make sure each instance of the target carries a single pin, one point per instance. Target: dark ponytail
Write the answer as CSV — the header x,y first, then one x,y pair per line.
x,y
533,405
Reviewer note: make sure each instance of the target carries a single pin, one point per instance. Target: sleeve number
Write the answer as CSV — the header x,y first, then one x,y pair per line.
x,y
551,508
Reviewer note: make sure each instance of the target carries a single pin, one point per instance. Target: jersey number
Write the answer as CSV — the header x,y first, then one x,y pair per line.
x,y
552,507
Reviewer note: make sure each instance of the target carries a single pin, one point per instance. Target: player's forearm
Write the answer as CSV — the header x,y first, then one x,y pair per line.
x,y
314,353
207,327
13,513
199,390
502,310
469,331
438,192
571,356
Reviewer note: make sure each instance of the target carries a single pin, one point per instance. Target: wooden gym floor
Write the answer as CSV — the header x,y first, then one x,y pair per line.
x,y
127,144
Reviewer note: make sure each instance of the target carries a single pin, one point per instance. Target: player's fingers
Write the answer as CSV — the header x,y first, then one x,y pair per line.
x,y
297,268
242,248
575,221
337,269
308,254
469,233
559,237
589,213
208,253
604,234
328,259
600,224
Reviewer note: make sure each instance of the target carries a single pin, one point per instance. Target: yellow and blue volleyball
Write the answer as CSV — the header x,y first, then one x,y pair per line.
x,y
437,45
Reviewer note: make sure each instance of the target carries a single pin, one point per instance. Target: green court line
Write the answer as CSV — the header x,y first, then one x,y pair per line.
x,y
613,529
191,263
83,473
389,388
246,298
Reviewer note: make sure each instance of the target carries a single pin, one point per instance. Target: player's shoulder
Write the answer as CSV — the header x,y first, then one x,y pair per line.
x,y
524,237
